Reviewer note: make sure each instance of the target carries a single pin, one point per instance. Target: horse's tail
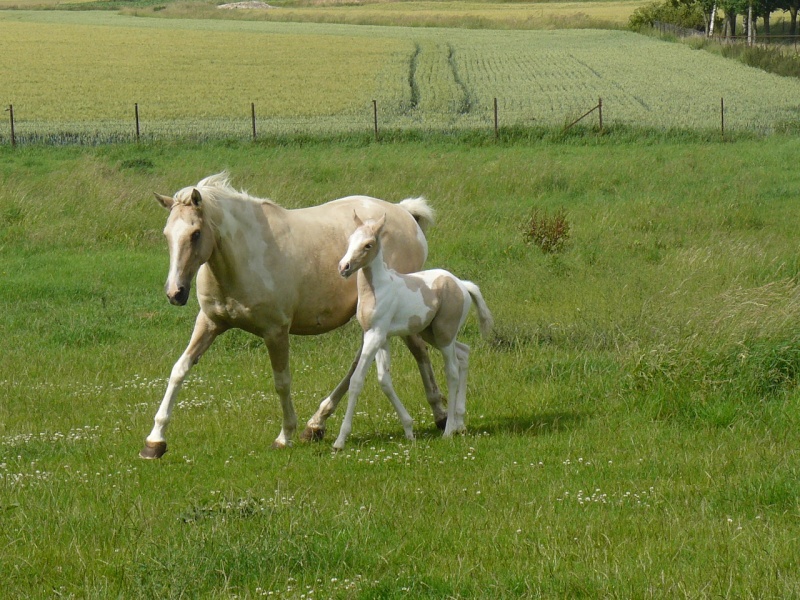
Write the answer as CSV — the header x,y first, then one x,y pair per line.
x,y
485,319
420,210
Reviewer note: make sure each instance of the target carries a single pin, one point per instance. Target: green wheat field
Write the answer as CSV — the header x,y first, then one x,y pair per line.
x,y
201,78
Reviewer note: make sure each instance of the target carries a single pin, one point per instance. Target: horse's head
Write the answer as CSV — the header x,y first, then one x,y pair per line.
x,y
363,245
190,239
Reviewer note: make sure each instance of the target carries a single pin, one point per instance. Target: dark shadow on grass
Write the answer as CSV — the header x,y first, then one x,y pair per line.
x,y
530,425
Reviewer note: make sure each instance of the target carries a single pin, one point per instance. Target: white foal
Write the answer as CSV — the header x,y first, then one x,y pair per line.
x,y
433,304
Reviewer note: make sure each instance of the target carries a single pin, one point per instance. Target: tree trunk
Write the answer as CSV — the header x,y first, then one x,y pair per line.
x,y
730,24
751,33
766,23
710,27
792,21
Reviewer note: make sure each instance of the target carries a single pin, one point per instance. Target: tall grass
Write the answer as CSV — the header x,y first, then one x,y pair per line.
x,y
632,429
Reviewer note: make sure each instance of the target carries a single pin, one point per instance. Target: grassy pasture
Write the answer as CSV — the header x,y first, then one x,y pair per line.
x,y
200,77
633,430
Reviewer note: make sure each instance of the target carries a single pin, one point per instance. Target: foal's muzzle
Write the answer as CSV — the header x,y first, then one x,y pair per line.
x,y
344,270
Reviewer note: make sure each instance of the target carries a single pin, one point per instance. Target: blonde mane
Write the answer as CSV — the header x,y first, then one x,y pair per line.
x,y
214,188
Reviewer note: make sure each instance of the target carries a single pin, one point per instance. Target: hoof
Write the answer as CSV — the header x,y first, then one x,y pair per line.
x,y
311,434
441,424
153,450
276,445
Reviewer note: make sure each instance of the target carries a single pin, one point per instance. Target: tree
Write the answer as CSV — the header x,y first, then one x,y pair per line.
x,y
792,6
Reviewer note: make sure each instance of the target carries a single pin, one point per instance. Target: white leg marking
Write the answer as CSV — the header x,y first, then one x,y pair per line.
x,y
205,332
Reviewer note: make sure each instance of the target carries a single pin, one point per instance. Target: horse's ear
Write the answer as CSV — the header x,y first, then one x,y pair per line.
x,y
165,201
357,220
197,199
379,224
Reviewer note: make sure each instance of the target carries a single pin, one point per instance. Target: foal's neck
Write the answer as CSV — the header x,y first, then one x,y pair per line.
x,y
376,273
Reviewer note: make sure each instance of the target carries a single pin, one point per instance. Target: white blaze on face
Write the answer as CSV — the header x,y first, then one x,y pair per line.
x,y
179,243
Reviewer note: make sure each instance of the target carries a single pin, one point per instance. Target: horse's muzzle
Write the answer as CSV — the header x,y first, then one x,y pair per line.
x,y
179,298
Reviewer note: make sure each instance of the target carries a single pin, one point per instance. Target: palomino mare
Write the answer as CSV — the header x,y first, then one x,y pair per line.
x,y
273,272
432,303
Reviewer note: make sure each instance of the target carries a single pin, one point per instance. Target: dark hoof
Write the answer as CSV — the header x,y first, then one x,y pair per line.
x,y
153,450
312,435
441,424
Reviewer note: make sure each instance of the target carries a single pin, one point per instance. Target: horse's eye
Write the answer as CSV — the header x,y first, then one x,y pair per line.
x,y
368,247
195,236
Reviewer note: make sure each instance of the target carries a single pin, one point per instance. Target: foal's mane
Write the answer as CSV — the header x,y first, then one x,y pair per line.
x,y
216,188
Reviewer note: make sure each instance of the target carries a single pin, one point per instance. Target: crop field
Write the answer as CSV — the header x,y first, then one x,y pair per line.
x,y
633,428
199,77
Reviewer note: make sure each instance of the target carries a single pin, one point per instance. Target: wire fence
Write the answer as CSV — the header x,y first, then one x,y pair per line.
x,y
488,121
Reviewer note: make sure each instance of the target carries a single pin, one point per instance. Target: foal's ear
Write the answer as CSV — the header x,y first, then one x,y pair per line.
x,y
164,201
357,220
197,199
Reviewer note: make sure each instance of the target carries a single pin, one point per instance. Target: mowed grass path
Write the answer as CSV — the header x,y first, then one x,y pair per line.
x,y
633,430
181,69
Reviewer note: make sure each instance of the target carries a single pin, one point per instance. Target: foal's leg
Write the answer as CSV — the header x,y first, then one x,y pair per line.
x,y
452,371
462,355
205,332
315,428
385,379
278,347
419,351
372,344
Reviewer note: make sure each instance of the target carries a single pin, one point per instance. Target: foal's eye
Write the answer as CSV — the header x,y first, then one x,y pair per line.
x,y
195,236
368,246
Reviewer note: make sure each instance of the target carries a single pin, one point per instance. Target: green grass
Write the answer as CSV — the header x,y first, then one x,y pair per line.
x,y
633,429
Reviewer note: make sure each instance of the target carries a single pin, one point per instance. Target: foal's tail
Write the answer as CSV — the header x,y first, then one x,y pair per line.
x,y
485,319
420,210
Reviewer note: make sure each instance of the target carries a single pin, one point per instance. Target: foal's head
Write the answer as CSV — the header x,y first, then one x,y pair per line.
x,y
363,245
190,240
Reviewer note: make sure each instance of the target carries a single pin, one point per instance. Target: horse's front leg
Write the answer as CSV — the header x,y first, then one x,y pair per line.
x,y
315,428
205,332
372,343
278,347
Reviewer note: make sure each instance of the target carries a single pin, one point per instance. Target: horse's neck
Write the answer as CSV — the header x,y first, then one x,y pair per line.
x,y
238,225
377,276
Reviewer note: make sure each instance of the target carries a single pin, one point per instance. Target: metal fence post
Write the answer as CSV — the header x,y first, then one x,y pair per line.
x,y
375,117
253,115
496,128
10,111
136,112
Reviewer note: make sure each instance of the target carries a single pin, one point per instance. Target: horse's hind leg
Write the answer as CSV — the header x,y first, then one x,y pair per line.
x,y
452,368
419,351
462,355
385,379
205,332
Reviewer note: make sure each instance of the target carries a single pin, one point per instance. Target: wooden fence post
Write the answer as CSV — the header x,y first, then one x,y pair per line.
x,y
600,112
722,115
375,117
10,111
253,115
136,112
